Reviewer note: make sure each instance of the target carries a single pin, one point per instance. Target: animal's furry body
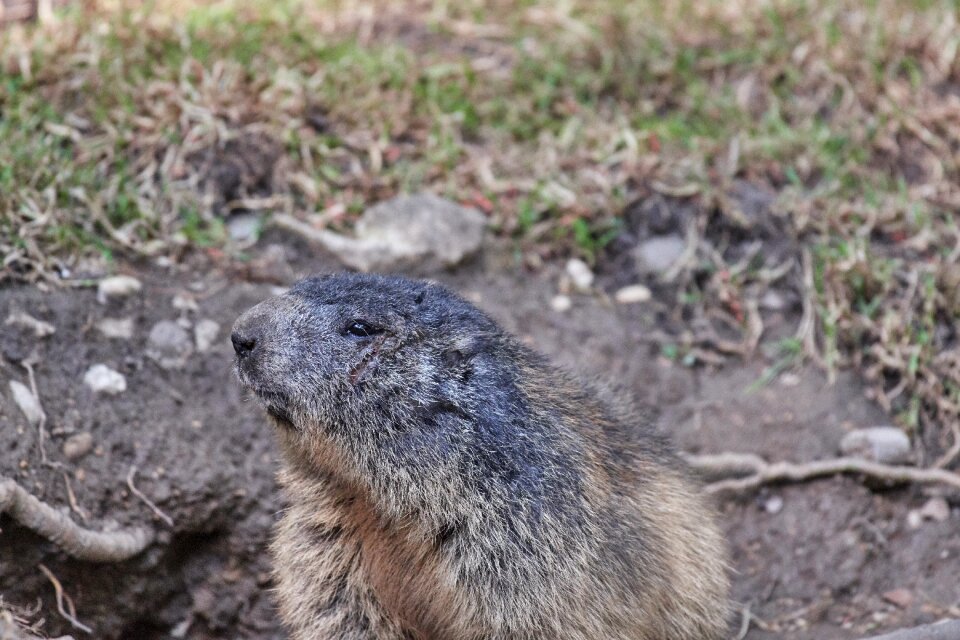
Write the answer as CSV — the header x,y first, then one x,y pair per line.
x,y
445,482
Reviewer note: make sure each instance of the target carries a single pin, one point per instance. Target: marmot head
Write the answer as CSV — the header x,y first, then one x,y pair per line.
x,y
382,373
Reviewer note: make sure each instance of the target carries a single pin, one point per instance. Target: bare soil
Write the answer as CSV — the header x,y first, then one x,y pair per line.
x,y
817,567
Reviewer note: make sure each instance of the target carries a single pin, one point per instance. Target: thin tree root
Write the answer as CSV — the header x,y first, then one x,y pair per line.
x,y
755,472
76,541
70,613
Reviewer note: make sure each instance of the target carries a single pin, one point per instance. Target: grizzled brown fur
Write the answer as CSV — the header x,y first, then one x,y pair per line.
x,y
447,483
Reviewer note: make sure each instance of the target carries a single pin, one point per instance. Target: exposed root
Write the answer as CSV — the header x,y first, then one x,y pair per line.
x,y
755,471
70,613
78,542
943,630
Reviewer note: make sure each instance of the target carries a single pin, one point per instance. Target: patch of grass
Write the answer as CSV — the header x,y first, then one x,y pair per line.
x,y
563,115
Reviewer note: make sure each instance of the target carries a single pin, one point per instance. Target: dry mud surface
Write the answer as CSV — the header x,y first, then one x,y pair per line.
x,y
826,559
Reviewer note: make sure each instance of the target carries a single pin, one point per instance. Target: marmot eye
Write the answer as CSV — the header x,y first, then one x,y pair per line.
x,y
360,329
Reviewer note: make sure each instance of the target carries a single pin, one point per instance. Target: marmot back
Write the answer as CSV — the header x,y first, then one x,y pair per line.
x,y
446,482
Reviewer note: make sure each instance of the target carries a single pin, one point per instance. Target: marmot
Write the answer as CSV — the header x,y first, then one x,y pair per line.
x,y
447,483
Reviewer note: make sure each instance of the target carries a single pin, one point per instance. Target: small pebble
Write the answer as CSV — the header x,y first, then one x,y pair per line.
x,y
580,275
117,287
914,519
773,301
935,509
169,344
888,445
40,328
78,445
561,303
773,505
29,404
205,334
659,253
103,379
116,328
632,294
789,379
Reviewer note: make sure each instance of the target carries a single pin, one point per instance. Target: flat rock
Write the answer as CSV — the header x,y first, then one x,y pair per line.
x,y
888,445
659,253
116,328
632,294
169,345
29,404
420,232
117,287
103,379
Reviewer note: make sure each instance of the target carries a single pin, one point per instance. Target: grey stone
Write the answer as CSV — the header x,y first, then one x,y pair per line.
x,y
420,232
117,287
78,445
29,404
169,345
888,445
116,328
659,253
244,227
103,379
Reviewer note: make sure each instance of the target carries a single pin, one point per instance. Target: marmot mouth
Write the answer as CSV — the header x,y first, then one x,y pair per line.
x,y
275,405
280,416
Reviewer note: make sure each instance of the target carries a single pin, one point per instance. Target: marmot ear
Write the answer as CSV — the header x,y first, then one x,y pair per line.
x,y
458,359
453,357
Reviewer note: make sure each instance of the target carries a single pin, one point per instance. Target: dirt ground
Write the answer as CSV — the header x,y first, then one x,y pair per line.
x,y
821,560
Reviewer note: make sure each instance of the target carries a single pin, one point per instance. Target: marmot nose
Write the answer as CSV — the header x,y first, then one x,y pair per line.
x,y
243,344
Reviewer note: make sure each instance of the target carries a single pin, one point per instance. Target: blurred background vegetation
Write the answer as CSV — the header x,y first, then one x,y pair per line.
x,y
132,130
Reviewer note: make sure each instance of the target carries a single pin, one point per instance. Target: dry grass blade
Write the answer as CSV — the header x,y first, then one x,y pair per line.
x,y
147,501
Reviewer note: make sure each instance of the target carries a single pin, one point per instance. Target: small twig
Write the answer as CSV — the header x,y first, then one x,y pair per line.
x,y
758,472
81,543
71,615
688,258
947,458
42,423
147,501
73,499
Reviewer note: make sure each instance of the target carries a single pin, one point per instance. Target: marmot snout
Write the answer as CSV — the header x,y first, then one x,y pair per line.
x,y
445,482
